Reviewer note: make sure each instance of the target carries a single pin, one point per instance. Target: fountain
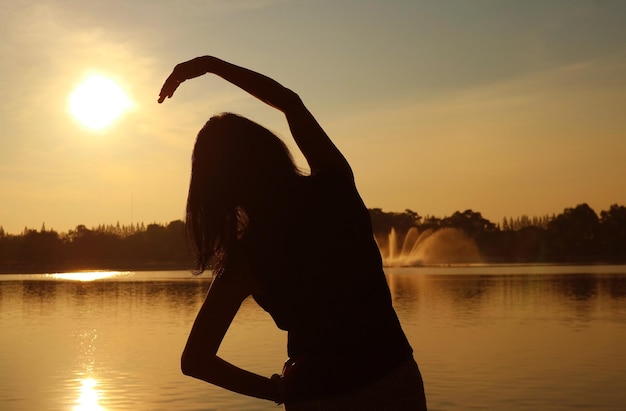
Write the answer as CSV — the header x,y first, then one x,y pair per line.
x,y
443,246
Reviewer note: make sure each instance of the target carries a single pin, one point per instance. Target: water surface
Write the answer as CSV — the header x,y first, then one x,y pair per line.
x,y
486,338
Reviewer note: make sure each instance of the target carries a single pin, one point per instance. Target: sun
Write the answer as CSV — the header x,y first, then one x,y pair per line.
x,y
98,101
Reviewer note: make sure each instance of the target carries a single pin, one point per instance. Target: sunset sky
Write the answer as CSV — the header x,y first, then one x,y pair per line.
x,y
508,108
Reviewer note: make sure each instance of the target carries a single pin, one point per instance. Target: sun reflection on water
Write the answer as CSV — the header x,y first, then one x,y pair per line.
x,y
89,396
87,275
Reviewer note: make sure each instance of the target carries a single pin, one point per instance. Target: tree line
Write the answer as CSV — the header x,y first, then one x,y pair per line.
x,y
111,247
577,235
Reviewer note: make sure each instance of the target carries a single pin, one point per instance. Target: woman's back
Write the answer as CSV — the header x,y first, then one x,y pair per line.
x,y
322,280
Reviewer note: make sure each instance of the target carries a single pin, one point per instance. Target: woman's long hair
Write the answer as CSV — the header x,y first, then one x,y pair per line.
x,y
236,162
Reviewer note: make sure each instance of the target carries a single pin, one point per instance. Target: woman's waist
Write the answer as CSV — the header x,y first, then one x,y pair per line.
x,y
319,375
354,337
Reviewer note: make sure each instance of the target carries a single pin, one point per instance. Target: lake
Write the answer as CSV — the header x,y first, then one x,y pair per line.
x,y
493,337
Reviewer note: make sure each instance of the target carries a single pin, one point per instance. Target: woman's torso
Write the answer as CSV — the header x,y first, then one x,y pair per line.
x,y
321,279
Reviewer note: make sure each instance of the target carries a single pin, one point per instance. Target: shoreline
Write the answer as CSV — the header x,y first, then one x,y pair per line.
x,y
13,270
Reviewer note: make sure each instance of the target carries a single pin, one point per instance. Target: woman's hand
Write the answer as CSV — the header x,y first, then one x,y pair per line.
x,y
183,71
280,390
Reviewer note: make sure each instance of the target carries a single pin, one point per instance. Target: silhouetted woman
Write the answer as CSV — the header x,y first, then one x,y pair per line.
x,y
302,247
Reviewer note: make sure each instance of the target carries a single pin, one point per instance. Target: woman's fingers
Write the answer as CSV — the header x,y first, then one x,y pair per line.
x,y
169,87
183,71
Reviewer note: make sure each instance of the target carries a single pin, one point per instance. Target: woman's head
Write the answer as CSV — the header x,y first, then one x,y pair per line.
x,y
237,165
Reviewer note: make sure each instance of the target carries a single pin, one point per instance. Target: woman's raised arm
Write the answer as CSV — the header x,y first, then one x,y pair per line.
x,y
318,149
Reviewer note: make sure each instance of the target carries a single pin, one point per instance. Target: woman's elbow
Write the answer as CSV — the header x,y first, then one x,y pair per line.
x,y
194,365
290,100
187,364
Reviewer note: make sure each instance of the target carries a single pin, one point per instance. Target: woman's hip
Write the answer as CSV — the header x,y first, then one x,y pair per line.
x,y
402,389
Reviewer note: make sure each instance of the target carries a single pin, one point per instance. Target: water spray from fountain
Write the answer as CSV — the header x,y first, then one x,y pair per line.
x,y
429,247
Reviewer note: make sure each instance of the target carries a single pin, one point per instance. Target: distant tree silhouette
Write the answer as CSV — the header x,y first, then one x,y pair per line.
x,y
383,222
525,221
528,245
478,228
431,222
34,248
575,235
103,247
159,245
471,222
613,232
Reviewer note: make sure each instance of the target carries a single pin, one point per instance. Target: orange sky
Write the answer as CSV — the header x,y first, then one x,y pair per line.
x,y
507,108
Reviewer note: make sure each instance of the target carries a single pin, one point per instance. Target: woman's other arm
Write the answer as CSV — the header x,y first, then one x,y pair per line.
x,y
318,149
200,360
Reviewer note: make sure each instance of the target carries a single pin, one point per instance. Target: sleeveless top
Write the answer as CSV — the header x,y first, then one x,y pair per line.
x,y
321,279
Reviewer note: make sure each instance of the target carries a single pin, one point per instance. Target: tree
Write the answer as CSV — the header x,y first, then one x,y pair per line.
x,y
573,234
471,222
613,232
383,222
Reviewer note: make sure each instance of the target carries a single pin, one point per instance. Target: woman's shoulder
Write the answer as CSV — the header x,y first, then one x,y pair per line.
x,y
331,183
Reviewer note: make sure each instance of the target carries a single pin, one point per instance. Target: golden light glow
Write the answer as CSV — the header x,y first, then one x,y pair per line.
x,y
98,101
89,396
86,276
